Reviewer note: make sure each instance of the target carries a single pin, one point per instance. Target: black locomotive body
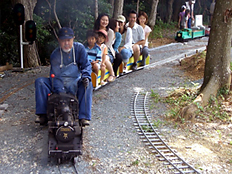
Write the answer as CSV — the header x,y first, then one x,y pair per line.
x,y
64,130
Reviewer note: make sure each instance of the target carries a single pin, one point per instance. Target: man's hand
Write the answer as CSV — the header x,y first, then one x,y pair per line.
x,y
85,82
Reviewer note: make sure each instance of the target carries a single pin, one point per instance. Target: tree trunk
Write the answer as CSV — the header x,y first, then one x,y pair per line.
x,y
112,4
169,10
217,66
176,9
96,9
137,10
152,18
30,51
118,8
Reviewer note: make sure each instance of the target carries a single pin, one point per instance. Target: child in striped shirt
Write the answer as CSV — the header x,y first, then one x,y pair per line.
x,y
94,53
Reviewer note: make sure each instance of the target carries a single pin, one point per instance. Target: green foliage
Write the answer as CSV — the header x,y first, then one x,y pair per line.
x,y
44,40
135,163
211,112
161,29
146,128
8,48
157,123
155,96
9,36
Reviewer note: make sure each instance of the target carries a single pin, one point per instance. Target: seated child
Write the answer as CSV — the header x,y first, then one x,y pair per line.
x,y
102,37
94,53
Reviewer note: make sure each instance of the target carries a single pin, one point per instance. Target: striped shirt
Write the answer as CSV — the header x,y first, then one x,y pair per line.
x,y
93,53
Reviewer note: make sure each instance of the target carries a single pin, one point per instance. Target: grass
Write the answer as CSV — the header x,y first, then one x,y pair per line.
x,y
184,96
135,163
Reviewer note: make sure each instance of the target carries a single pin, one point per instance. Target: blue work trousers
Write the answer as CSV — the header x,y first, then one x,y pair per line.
x,y
43,87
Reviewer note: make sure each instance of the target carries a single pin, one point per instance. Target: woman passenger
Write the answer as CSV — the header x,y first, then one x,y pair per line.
x,y
102,23
142,20
114,25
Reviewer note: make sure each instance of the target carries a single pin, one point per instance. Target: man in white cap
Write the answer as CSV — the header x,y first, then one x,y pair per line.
x,y
72,70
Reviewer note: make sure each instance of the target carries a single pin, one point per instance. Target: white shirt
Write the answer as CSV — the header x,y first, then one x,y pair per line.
x,y
147,29
138,33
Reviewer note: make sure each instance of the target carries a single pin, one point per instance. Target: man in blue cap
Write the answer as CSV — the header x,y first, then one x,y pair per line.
x,y
72,70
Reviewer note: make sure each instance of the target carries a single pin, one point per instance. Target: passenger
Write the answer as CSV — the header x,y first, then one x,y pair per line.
x,y
142,20
181,22
72,70
190,6
187,16
138,37
94,54
102,23
125,48
102,37
114,25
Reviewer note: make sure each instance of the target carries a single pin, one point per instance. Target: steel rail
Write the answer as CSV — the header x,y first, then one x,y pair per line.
x,y
139,110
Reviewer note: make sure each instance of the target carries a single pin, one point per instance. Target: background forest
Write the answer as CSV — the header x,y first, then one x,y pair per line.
x,y
80,15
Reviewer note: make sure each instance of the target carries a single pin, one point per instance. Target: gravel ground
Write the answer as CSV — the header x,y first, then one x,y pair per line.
x,y
111,144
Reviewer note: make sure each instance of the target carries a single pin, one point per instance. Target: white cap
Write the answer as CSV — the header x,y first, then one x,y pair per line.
x,y
121,18
183,6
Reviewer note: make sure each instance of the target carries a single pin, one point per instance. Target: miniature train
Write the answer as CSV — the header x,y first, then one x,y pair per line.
x,y
189,34
64,129
96,78
195,32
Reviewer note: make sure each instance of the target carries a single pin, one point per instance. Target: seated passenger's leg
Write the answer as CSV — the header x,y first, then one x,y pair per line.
x,y
126,54
117,62
136,51
85,100
144,54
42,89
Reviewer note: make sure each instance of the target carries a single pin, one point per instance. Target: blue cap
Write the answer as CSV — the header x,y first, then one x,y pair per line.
x,y
65,33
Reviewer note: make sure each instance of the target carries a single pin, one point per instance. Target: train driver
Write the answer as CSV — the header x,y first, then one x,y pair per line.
x,y
72,70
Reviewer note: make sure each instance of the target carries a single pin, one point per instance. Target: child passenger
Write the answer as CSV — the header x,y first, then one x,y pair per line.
x,y
102,38
94,54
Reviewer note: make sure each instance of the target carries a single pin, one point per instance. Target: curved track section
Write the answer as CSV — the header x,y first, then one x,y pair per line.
x,y
149,135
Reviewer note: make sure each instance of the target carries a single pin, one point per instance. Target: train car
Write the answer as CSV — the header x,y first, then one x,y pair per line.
x,y
64,129
189,34
96,78
197,31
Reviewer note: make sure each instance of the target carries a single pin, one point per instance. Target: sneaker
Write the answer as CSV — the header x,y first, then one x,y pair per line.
x,y
84,122
134,67
42,119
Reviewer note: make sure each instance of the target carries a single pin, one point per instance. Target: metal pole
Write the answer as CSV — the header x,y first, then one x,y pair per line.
x,y
21,45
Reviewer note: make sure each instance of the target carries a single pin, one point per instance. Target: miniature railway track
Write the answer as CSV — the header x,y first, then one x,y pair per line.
x,y
151,137
64,169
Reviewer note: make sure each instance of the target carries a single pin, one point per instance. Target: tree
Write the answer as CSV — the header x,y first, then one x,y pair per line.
x,y
169,10
118,8
112,5
30,51
152,18
217,73
96,9
137,9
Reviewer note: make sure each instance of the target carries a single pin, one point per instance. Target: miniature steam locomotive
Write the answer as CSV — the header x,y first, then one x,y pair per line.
x,y
64,130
